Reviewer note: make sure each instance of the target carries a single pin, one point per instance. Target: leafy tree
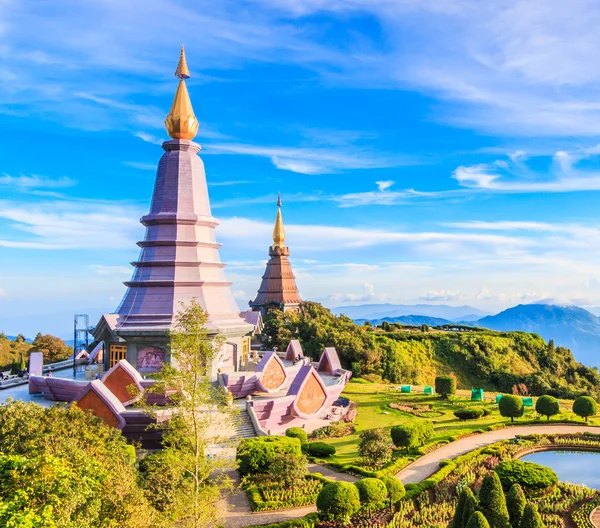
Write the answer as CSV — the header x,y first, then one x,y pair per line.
x,y
22,364
20,338
53,348
14,368
289,470
395,489
338,500
445,386
200,416
478,520
547,406
493,501
372,492
515,502
585,407
531,517
255,455
511,406
374,447
2,335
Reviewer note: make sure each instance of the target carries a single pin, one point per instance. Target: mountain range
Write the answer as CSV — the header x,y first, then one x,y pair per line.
x,y
379,311
569,326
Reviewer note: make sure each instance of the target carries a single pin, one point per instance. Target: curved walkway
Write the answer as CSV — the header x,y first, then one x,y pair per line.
x,y
595,517
428,464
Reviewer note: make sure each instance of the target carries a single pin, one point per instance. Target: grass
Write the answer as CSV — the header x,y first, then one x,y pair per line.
x,y
374,411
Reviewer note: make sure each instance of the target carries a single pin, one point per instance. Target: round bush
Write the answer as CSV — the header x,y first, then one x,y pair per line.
x,y
585,407
297,432
445,386
339,500
371,491
254,455
547,406
395,489
511,407
469,414
412,434
530,476
320,449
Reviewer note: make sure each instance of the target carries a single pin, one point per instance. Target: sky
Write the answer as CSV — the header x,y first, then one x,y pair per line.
x,y
426,151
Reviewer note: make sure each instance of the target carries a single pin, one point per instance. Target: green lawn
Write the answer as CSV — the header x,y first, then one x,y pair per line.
x,y
374,411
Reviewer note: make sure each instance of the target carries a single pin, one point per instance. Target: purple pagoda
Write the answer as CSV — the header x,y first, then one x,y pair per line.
x,y
179,259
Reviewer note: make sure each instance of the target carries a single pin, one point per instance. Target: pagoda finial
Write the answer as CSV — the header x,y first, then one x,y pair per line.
x,y
181,122
278,231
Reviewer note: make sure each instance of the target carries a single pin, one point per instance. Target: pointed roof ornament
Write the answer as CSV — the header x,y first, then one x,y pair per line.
x,y
181,123
278,231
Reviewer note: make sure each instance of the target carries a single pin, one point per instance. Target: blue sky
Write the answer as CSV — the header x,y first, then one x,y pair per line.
x,y
426,151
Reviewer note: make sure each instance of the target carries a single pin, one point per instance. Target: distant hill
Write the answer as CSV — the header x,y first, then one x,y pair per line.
x,y
380,311
412,320
569,326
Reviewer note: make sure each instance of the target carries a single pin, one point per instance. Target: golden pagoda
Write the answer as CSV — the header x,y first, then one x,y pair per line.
x,y
181,121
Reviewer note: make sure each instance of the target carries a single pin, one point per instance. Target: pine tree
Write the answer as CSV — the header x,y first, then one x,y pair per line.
x,y
531,518
515,502
469,506
493,501
23,364
478,520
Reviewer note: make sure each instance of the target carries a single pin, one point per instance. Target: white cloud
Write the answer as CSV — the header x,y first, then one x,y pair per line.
x,y
442,295
141,166
149,138
23,182
384,185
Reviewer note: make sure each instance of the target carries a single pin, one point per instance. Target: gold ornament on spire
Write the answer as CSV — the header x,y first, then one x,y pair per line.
x,y
181,122
278,231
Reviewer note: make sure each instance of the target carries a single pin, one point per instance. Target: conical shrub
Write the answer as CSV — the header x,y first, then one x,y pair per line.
x,y
515,502
478,520
531,518
469,506
493,501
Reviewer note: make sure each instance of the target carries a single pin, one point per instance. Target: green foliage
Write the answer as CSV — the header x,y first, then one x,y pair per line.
x,y
53,348
254,455
511,406
395,489
493,501
547,406
445,386
585,407
265,495
374,447
532,477
469,507
305,522
412,434
459,513
288,469
515,502
297,432
478,520
531,517
372,492
469,414
338,500
320,449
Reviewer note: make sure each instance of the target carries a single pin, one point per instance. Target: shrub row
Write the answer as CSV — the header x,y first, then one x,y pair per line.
x,y
255,454
309,521
412,434
257,504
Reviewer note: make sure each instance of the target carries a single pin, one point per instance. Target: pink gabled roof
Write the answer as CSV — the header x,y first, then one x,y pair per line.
x,y
329,355
294,351
107,397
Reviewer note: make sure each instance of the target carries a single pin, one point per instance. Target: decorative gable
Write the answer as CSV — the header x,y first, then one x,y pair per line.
x,y
124,382
310,392
294,351
329,362
96,397
272,373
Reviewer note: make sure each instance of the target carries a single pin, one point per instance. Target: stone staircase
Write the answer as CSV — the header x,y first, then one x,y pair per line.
x,y
243,427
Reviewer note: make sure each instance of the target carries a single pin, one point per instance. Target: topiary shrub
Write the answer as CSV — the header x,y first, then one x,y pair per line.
x,y
445,386
320,449
585,407
338,501
297,432
372,492
469,507
531,518
395,489
412,434
478,520
459,513
493,501
547,406
469,414
515,502
530,476
255,454
511,406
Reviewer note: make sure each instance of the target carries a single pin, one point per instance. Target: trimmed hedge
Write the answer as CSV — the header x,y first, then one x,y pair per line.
x,y
511,406
371,491
338,500
445,386
320,449
412,434
309,521
530,476
255,454
585,407
297,432
258,504
395,489
469,414
547,406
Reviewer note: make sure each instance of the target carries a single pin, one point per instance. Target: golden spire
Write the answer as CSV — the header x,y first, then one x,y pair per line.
x,y
181,122
278,232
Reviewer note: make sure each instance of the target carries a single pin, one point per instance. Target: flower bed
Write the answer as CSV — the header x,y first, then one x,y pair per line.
x,y
416,409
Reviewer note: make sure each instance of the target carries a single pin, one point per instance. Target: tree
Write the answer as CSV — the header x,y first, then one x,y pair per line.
x,y
511,406
289,470
469,507
547,406
374,447
478,520
23,364
372,492
584,406
531,517
395,489
53,348
515,502
493,501
20,338
200,416
338,500
445,386
459,514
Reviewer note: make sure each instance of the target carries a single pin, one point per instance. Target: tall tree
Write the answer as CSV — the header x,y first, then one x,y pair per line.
x,y
200,417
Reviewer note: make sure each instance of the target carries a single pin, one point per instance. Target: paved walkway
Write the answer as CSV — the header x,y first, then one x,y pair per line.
x,y
239,515
595,517
427,465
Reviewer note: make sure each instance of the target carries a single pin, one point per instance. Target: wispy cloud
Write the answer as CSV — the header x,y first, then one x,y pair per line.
x,y
27,183
141,166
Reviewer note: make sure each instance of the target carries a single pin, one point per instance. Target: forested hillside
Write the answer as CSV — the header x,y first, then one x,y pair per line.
x,y
53,348
482,358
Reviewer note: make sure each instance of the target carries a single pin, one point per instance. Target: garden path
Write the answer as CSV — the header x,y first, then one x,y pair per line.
x,y
427,465
239,515
595,517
